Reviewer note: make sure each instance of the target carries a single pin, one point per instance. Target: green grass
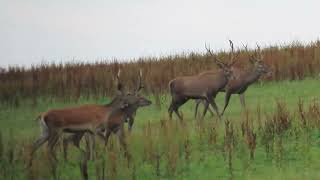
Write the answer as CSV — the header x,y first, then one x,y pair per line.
x,y
294,154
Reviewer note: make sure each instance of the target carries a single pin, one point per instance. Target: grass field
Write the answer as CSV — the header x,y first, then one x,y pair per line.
x,y
287,144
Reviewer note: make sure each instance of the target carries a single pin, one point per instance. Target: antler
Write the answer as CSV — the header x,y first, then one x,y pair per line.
x,y
215,58
119,85
245,47
232,49
258,47
118,74
139,85
259,53
208,49
232,57
251,57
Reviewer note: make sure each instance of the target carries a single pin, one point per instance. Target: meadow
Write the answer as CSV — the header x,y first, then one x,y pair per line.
x,y
276,137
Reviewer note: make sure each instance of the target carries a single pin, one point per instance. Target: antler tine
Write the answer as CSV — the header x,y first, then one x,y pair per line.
x,y
118,74
259,52
231,45
119,85
211,53
139,86
258,47
140,73
245,47
215,58
208,49
118,77
232,56
232,50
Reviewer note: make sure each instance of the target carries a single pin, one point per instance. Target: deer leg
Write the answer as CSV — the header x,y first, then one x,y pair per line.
x,y
214,106
39,142
54,137
198,101
226,102
178,114
176,107
170,110
206,105
197,106
65,143
91,141
242,100
84,164
121,137
75,139
106,137
84,157
130,123
209,109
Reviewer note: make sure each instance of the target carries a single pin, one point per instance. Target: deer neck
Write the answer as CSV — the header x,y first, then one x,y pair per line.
x,y
252,76
114,102
225,80
113,107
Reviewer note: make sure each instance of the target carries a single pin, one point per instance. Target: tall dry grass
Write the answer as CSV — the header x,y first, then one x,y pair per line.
x,y
73,80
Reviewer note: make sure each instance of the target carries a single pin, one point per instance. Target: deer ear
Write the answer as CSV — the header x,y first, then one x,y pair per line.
x,y
120,89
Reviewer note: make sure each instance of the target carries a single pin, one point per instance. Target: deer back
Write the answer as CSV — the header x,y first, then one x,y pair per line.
x,y
87,115
198,85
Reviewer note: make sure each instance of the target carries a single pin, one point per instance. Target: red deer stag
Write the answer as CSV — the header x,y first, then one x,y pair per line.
x,y
204,86
88,118
116,121
244,80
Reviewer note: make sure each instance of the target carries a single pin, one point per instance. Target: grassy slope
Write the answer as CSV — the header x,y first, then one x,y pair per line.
x,y
263,94
20,121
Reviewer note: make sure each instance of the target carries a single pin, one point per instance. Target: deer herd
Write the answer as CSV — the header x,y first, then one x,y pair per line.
x,y
89,121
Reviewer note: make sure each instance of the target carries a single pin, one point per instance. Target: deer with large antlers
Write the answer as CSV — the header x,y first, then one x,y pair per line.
x,y
204,86
90,119
245,79
116,121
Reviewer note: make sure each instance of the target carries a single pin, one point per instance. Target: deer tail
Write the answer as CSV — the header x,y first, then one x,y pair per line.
x,y
171,87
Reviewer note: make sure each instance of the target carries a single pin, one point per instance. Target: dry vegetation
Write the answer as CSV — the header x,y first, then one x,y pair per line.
x,y
72,80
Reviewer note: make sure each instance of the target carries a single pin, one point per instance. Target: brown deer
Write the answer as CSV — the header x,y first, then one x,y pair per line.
x,y
88,118
204,86
127,114
244,79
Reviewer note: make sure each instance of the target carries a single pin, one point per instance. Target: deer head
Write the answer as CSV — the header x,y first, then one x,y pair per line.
x,y
135,98
259,66
226,68
131,100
